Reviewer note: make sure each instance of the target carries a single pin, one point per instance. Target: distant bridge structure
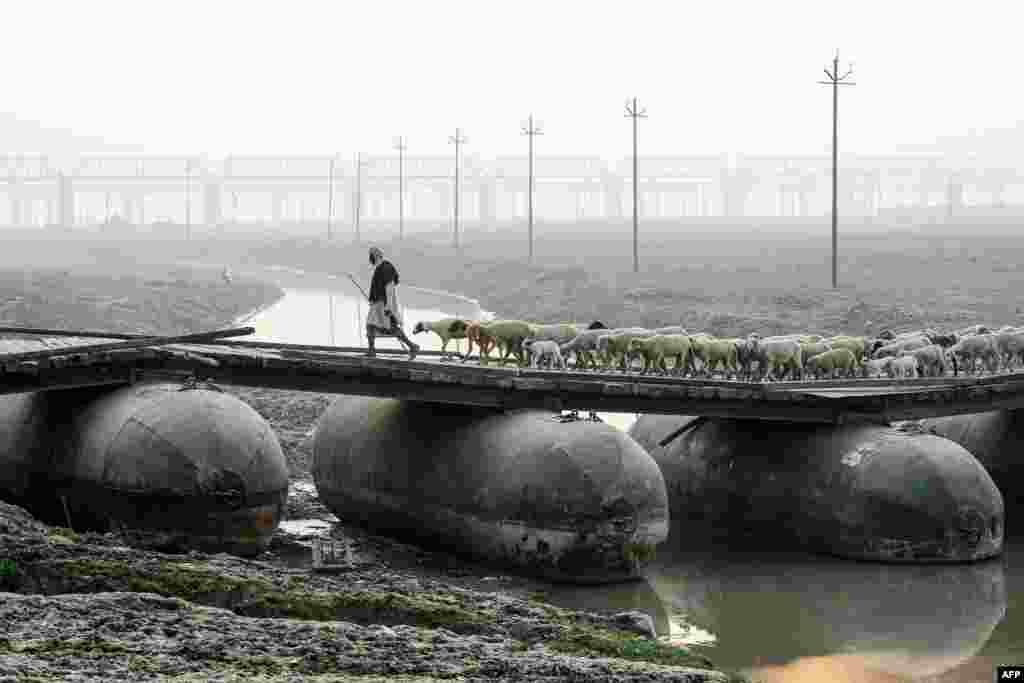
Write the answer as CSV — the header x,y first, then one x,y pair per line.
x,y
143,190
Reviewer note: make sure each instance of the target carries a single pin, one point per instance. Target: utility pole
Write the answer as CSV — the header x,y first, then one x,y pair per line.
x,y
401,147
188,199
835,80
530,132
330,204
633,113
457,140
359,194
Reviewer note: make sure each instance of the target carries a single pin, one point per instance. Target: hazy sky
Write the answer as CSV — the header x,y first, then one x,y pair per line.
x,y
294,76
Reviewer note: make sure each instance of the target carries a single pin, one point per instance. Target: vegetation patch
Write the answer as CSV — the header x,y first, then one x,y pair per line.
x,y
258,597
598,642
64,532
369,607
638,552
91,648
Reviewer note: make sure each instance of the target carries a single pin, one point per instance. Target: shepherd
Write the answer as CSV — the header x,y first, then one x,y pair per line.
x,y
385,315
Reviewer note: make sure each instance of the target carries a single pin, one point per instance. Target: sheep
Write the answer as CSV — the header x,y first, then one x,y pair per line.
x,y
968,351
544,350
597,325
945,340
584,345
832,361
614,346
445,328
857,345
712,351
697,364
1010,345
931,361
481,339
671,329
903,366
774,354
875,367
899,348
560,333
973,331
657,348
745,357
508,336
809,351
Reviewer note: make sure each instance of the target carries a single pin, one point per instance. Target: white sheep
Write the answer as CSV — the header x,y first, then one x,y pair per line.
x,y
904,366
544,350
876,367
445,328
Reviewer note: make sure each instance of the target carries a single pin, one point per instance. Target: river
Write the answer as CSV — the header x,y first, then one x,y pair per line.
x,y
775,616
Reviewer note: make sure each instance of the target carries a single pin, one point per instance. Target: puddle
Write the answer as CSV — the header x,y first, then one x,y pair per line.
x,y
307,527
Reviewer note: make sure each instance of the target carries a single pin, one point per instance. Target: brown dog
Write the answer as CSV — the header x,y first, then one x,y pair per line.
x,y
475,336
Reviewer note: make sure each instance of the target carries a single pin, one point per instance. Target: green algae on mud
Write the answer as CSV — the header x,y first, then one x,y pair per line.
x,y
256,597
597,642
259,598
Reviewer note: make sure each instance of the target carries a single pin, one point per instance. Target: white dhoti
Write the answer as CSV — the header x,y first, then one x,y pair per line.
x,y
381,321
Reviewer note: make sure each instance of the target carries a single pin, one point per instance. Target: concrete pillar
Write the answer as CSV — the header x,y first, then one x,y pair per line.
x,y
614,188
212,202
277,207
65,201
444,196
487,208
16,207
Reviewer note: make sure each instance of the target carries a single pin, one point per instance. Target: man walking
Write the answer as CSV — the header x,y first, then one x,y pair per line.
x,y
385,314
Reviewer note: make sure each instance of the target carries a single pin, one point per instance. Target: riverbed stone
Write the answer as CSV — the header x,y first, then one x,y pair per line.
x,y
637,622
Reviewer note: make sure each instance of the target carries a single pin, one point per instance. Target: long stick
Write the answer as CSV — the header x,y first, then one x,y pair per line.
x,y
365,295
129,344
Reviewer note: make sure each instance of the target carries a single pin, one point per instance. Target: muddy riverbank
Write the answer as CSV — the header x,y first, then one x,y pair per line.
x,y
108,607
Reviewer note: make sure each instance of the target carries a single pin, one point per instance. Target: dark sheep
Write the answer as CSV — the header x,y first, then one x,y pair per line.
x,y
597,325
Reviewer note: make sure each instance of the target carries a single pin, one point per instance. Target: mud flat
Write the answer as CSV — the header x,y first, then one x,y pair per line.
x,y
87,604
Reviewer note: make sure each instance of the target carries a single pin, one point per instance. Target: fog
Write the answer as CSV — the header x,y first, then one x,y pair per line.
x,y
236,113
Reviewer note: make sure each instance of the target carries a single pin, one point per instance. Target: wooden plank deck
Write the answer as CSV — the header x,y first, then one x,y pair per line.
x,y
428,379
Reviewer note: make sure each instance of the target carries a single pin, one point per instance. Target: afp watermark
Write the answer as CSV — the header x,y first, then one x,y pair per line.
x,y
1010,673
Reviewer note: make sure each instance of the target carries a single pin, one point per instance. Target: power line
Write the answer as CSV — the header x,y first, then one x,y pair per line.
x,y
359,194
188,199
835,80
330,198
633,113
530,132
401,147
457,140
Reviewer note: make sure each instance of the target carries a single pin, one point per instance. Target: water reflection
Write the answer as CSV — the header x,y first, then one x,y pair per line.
x,y
767,609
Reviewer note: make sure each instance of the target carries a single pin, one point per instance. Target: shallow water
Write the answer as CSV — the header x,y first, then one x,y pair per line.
x,y
788,617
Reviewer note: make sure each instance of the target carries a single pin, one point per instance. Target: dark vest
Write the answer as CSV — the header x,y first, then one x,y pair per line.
x,y
382,275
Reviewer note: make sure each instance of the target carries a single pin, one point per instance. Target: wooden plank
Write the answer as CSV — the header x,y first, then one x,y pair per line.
x,y
533,384
46,332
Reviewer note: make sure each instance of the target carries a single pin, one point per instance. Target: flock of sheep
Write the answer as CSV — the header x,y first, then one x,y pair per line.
x,y
923,353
